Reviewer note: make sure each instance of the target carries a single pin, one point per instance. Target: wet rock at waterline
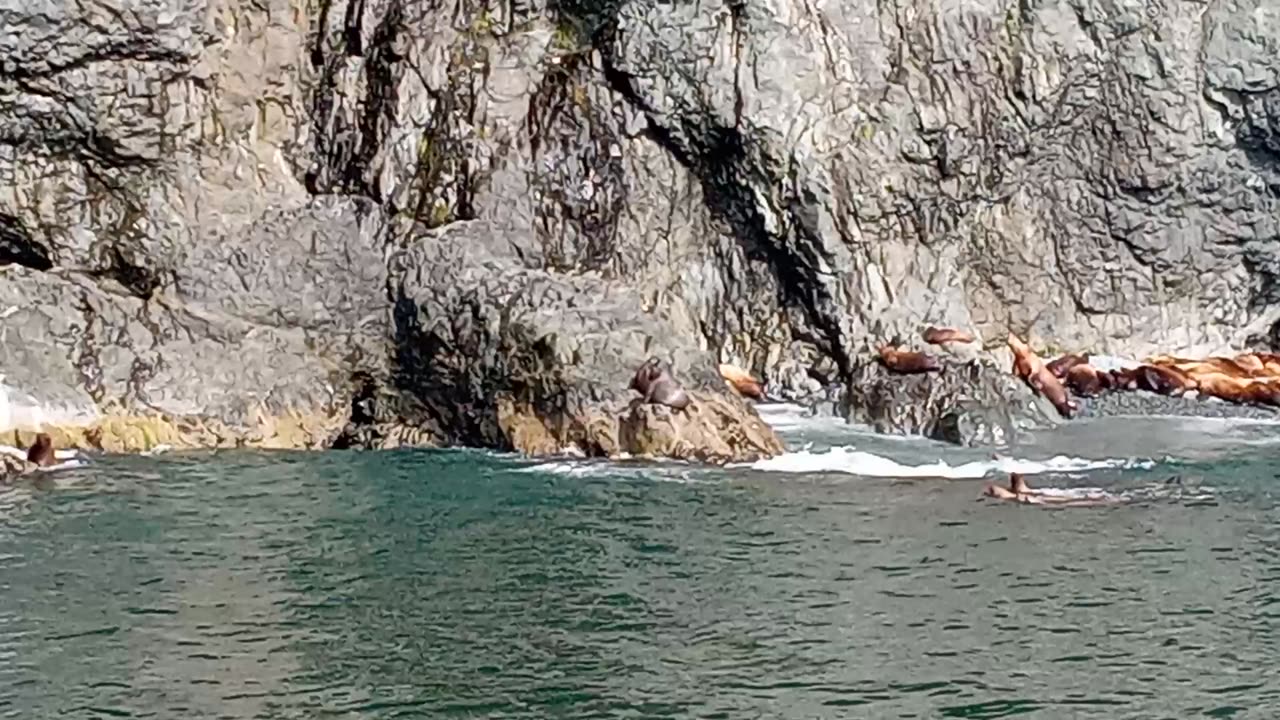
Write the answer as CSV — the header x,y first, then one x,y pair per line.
x,y
210,212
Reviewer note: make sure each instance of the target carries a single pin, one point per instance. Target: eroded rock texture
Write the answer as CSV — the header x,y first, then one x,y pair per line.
x,y
966,403
384,215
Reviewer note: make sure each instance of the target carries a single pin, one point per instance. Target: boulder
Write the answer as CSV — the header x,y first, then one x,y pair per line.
x,y
966,403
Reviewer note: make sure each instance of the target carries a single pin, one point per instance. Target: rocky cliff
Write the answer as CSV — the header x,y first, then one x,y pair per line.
x,y
367,221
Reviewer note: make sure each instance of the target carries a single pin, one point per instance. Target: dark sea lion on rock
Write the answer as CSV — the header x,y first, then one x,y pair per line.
x,y
937,336
1086,381
41,452
1061,366
655,384
1124,379
907,362
1163,380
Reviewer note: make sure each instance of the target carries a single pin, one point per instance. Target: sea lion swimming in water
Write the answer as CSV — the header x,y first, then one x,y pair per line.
x,y
655,384
907,361
41,451
1029,366
1020,491
938,336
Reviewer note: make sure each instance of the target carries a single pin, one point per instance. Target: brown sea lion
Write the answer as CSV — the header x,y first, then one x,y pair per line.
x,y
1163,380
1239,390
1251,364
938,336
1061,366
907,361
41,451
1028,365
1213,365
1086,381
741,381
1270,363
1123,379
655,384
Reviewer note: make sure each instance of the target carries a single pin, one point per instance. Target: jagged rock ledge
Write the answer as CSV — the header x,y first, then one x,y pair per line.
x,y
969,402
456,343
1143,403
977,402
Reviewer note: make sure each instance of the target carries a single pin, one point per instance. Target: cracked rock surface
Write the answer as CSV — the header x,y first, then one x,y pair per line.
x,y
403,221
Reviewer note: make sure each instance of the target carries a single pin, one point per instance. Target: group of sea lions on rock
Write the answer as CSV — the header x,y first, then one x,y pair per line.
x,y
1248,377
655,383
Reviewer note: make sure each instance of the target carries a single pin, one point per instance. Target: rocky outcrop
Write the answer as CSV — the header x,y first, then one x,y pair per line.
x,y
501,355
966,402
359,223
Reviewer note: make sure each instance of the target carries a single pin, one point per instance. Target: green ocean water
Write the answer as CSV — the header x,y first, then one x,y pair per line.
x,y
460,584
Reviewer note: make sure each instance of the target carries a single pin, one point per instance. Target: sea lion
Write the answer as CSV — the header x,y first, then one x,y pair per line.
x,y
1270,362
1124,379
907,361
1229,367
1028,365
1061,366
655,384
1239,390
1086,381
1163,380
938,336
1020,491
741,381
41,451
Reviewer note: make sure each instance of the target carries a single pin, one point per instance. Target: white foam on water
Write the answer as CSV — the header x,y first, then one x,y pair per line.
x,y
791,416
850,461
68,455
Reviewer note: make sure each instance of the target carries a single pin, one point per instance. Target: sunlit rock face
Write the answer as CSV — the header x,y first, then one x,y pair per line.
x,y
245,216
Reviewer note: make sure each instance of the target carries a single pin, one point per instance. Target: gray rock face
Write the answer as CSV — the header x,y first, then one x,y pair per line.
x,y
472,323
212,207
966,403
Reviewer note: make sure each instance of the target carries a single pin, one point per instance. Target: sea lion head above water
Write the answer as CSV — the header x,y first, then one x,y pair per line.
x,y
41,451
655,384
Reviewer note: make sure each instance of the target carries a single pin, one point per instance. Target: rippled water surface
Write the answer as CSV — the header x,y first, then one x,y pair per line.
x,y
458,584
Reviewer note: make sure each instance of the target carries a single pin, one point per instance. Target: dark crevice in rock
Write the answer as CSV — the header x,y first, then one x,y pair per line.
x,y
345,154
726,168
577,169
444,183
17,247
428,367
